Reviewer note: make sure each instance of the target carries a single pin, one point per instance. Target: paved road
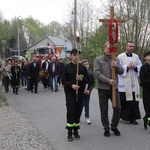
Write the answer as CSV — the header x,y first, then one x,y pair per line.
x,y
47,111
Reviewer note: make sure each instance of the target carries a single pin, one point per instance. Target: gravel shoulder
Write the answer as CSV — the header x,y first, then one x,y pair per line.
x,y
17,132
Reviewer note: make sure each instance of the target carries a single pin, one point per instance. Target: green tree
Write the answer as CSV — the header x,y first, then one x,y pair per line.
x,y
95,44
54,29
5,35
18,26
137,26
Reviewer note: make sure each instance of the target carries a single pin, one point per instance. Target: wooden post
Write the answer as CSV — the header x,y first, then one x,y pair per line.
x,y
78,48
113,74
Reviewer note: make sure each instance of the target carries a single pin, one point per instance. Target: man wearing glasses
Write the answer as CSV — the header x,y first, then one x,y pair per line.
x,y
128,86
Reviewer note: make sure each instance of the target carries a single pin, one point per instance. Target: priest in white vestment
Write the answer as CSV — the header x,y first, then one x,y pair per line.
x,y
128,86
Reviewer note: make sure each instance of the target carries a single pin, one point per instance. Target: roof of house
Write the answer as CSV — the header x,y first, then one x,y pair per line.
x,y
56,41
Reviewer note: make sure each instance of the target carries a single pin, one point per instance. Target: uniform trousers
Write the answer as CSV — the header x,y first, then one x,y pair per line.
x,y
74,107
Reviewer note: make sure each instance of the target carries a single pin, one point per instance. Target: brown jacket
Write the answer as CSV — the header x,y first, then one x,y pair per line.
x,y
6,69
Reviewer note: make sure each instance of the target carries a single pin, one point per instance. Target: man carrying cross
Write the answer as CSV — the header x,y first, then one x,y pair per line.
x,y
102,72
105,68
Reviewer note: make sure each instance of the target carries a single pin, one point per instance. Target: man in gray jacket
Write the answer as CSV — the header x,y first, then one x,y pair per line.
x,y
102,72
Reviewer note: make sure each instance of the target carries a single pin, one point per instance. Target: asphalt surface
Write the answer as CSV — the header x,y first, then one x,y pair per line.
x,y
48,113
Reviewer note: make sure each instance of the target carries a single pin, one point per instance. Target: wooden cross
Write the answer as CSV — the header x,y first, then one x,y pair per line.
x,y
112,55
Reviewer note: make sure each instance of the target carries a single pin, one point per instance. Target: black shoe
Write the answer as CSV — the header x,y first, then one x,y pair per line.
x,y
69,136
31,91
116,131
76,135
36,92
106,133
134,122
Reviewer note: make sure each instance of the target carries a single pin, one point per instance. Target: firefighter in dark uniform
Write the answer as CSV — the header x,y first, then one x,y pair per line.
x,y
74,93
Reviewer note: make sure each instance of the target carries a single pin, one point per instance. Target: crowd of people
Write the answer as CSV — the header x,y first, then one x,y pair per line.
x,y
78,82
29,73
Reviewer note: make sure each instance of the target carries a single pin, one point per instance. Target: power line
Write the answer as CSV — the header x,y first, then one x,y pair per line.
x,y
33,4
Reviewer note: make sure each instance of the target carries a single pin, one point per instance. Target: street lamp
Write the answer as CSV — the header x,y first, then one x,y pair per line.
x,y
75,21
18,37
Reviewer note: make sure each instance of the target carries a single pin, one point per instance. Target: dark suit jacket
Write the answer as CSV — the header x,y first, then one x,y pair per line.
x,y
145,76
44,65
34,71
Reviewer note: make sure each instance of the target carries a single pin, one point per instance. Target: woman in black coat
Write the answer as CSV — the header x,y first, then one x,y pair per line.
x,y
15,70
